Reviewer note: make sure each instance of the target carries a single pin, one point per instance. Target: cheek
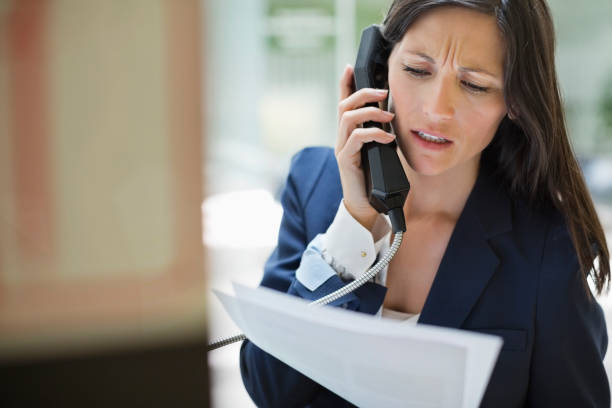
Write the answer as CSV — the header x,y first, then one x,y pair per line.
x,y
406,102
482,122
402,91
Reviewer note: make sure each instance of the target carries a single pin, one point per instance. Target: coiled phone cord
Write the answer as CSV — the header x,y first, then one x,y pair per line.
x,y
379,266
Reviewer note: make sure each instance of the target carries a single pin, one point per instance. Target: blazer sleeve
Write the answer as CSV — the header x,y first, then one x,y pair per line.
x,y
570,333
270,382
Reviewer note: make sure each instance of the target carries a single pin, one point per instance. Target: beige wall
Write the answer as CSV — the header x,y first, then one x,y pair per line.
x,y
100,173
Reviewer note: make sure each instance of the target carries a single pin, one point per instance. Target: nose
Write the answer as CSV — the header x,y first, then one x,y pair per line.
x,y
439,104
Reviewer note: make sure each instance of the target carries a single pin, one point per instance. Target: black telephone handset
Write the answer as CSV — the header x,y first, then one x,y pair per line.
x,y
386,182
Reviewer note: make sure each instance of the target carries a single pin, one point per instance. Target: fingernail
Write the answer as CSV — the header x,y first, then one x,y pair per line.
x,y
391,114
381,91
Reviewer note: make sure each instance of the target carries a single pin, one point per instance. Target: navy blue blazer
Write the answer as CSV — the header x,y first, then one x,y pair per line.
x,y
508,270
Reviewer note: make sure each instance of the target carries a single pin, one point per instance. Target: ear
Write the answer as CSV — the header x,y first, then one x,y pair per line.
x,y
512,112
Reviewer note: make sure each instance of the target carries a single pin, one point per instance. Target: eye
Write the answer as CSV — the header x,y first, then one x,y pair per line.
x,y
474,88
415,71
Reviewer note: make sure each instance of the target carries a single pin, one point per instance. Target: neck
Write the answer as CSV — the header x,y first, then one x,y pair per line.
x,y
443,195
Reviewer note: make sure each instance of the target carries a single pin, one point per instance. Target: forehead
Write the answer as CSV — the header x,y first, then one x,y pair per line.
x,y
472,37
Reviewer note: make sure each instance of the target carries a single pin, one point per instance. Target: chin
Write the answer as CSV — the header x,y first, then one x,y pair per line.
x,y
426,166
428,169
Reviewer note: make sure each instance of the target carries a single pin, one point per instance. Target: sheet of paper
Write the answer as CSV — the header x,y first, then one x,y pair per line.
x,y
369,361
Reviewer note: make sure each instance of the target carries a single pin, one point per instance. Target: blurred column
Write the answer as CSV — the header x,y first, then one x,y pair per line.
x,y
234,88
101,181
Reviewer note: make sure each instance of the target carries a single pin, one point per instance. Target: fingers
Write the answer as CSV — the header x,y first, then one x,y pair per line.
x,y
351,149
352,113
354,118
349,99
347,85
360,98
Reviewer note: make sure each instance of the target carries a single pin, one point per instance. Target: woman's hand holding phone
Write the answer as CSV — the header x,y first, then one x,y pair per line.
x,y
351,138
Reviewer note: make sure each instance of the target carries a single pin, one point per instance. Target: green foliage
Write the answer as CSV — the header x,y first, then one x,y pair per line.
x,y
605,107
369,12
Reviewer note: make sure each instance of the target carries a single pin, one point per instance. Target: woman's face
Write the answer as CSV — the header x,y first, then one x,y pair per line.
x,y
446,82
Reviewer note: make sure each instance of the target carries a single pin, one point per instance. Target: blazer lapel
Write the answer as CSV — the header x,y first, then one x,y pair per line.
x,y
469,261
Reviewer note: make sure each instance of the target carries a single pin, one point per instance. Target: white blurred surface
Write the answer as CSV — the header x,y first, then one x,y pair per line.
x,y
227,214
241,229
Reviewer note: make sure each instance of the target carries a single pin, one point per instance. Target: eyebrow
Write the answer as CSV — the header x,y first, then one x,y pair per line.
x,y
462,69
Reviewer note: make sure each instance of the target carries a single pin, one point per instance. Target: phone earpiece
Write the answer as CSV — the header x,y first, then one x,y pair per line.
x,y
390,108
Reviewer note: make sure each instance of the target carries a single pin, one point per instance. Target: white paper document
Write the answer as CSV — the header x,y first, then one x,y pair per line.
x,y
369,361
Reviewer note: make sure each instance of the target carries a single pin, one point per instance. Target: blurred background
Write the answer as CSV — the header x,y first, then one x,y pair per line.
x,y
143,146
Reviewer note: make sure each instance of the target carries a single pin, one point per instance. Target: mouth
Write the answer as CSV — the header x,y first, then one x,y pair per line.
x,y
430,138
430,141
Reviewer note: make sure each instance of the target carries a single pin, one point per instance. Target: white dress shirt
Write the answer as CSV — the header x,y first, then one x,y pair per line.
x,y
348,249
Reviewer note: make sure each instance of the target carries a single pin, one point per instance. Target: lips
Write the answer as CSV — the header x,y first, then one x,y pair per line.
x,y
431,140
431,136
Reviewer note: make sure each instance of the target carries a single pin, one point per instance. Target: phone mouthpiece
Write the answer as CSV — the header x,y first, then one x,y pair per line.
x,y
386,184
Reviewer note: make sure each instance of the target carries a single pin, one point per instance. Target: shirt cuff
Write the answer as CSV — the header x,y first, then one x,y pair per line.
x,y
349,248
314,271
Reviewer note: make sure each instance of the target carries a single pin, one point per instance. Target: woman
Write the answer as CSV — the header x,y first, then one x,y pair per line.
x,y
501,234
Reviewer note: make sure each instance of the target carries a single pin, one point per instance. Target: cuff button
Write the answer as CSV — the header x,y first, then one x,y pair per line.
x,y
363,254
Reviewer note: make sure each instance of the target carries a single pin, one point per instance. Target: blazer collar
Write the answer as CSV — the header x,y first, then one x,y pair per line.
x,y
469,261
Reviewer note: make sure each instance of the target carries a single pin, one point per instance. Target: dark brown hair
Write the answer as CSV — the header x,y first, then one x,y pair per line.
x,y
531,152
